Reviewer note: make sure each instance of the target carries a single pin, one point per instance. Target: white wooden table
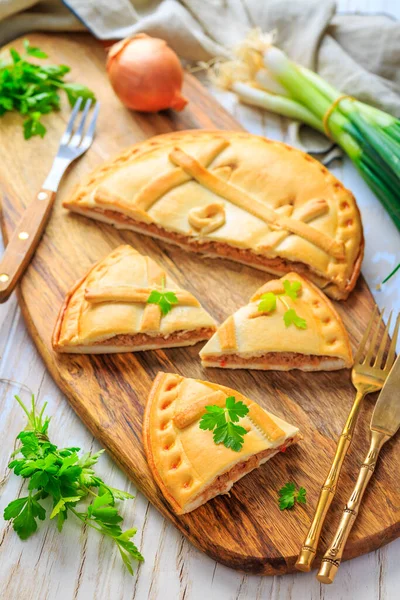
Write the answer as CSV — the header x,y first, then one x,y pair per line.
x,y
79,564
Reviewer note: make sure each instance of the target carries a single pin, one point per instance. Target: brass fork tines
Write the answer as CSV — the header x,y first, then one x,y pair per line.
x,y
366,378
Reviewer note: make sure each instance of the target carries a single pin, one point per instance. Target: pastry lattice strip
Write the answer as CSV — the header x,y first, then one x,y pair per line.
x,y
193,412
188,168
250,204
152,313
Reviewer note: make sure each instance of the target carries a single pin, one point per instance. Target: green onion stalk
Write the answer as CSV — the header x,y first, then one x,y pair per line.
x,y
262,75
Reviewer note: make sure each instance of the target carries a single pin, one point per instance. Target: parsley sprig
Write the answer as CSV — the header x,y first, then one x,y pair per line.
x,y
288,495
32,89
222,421
165,300
268,304
66,479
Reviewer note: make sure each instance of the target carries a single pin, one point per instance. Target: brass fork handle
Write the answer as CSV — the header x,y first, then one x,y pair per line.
x,y
328,490
333,556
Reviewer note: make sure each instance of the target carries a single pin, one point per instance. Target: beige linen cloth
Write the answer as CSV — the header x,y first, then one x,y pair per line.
x,y
358,54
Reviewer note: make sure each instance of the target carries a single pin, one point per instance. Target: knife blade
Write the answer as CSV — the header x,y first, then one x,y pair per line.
x,y
386,415
384,424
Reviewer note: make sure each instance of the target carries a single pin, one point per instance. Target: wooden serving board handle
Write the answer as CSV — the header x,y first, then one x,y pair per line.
x,y
24,241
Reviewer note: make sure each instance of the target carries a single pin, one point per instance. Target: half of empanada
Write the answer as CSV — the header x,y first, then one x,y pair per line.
x,y
233,195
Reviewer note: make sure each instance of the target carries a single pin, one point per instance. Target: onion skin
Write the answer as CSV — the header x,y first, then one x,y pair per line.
x,y
146,74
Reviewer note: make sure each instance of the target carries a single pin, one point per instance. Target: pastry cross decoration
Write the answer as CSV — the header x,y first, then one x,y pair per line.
x,y
227,334
252,205
187,416
124,293
188,168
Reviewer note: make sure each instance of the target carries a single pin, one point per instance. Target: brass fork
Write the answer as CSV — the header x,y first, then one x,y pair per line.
x,y
366,379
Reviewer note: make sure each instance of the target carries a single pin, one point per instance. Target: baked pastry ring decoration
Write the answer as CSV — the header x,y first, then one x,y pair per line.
x,y
206,219
283,210
300,331
126,303
187,465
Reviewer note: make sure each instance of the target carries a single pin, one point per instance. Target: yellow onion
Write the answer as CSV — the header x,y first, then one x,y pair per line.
x,y
146,74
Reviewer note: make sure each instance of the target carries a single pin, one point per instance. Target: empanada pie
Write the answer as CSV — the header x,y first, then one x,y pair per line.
x,y
127,302
188,466
288,324
233,195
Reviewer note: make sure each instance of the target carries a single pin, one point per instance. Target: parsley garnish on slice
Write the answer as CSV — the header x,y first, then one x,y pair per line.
x,y
165,300
288,495
222,421
291,316
268,303
292,289
32,89
64,478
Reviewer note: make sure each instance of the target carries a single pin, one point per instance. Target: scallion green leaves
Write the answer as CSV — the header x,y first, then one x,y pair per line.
x,y
264,76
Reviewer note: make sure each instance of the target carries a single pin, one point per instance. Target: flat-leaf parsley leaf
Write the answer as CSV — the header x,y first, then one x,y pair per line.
x,y
60,475
222,421
32,89
288,495
33,50
165,300
291,288
291,316
268,303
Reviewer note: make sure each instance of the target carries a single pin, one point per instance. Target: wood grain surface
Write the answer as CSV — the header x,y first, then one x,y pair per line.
x,y
246,530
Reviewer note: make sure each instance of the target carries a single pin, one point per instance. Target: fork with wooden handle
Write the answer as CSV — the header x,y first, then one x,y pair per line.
x,y
366,379
384,424
27,234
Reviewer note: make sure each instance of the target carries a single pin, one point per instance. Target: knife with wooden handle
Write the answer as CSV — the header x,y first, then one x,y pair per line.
x,y
29,230
384,424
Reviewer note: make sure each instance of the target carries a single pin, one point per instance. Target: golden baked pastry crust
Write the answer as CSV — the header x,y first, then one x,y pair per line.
x,y
236,195
107,311
257,340
185,462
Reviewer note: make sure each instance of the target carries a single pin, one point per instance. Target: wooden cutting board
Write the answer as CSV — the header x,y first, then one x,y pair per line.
x,y
245,530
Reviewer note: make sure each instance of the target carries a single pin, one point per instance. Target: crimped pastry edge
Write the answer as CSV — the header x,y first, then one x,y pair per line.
x,y
157,382
97,349
330,288
143,147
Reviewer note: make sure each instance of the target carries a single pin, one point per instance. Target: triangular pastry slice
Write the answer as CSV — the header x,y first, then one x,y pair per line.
x,y
188,466
233,195
253,338
108,310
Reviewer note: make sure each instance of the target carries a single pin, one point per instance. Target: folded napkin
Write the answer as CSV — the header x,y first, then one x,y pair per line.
x,y
358,54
